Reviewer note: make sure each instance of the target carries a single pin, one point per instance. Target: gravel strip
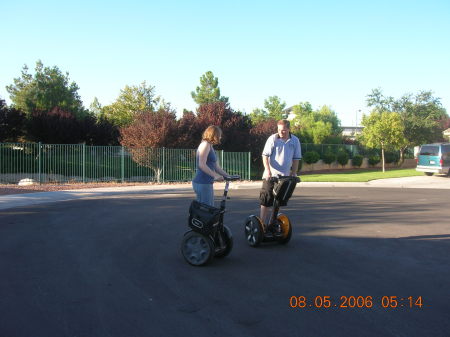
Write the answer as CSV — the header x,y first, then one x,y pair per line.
x,y
16,189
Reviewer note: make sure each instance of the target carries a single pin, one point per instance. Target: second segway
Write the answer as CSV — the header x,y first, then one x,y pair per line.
x,y
208,237
279,228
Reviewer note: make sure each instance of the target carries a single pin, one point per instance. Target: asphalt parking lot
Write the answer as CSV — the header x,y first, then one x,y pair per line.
x,y
108,264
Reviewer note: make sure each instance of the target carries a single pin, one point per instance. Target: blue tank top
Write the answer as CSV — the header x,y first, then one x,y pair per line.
x,y
200,176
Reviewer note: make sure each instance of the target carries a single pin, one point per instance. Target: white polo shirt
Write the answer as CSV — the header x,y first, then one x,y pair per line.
x,y
281,154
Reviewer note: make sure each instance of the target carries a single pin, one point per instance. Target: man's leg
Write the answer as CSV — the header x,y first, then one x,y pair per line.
x,y
266,201
264,214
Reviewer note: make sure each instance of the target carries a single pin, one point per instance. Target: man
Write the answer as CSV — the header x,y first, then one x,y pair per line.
x,y
281,156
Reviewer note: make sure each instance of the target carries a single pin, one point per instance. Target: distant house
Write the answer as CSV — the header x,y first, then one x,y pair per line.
x,y
446,133
289,113
351,131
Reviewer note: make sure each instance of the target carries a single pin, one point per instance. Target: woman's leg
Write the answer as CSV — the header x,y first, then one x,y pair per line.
x,y
204,193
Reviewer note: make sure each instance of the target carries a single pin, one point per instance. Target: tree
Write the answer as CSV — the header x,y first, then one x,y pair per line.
x,y
378,101
383,129
258,115
208,91
302,120
315,126
99,131
275,108
61,127
235,126
44,91
11,123
132,101
258,137
189,131
54,127
421,115
149,131
95,107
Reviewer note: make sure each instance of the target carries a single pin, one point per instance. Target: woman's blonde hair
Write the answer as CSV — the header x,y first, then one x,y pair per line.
x,y
212,134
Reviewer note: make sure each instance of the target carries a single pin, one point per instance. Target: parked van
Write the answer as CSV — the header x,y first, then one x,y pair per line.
x,y
434,158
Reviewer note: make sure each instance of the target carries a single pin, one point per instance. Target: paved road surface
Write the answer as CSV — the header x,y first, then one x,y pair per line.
x,y
15,200
111,266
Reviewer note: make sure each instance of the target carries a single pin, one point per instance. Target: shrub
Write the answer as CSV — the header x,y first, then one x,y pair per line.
x,y
11,123
357,160
373,160
390,157
329,158
311,157
342,158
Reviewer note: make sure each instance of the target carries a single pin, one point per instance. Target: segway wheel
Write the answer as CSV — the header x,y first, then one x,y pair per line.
x,y
228,240
254,232
286,228
197,249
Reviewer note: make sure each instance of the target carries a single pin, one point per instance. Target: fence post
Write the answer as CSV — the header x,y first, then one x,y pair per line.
x,y
163,164
40,163
221,159
84,161
122,164
249,166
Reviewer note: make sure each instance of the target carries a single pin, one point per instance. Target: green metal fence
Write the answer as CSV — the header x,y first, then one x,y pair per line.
x,y
58,163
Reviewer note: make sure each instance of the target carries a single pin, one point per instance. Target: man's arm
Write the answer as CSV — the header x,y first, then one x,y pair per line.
x,y
267,173
294,168
297,157
267,151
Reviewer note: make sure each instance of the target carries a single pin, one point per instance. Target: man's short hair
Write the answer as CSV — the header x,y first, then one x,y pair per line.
x,y
284,122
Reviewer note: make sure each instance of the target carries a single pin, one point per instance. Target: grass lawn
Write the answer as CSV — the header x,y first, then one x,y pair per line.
x,y
360,176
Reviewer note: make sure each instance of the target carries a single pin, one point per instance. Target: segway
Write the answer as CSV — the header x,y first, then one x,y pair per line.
x,y
208,237
279,228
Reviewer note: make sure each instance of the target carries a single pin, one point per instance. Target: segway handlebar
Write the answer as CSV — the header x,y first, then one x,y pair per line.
x,y
232,178
278,178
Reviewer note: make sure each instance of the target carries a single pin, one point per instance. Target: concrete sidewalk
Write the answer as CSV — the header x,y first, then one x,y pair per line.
x,y
26,199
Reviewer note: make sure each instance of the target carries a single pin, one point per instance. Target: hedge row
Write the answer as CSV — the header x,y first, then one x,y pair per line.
x,y
343,156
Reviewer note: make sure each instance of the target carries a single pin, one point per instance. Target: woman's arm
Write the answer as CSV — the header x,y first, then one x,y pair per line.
x,y
220,170
203,151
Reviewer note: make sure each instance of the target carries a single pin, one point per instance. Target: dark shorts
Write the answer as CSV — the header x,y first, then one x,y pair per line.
x,y
266,196
266,193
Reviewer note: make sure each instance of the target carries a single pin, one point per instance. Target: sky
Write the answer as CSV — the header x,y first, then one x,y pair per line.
x,y
323,52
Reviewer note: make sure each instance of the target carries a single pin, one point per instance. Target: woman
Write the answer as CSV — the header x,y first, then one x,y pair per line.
x,y
208,169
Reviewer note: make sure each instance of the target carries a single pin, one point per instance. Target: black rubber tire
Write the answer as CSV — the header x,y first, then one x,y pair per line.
x,y
227,237
429,173
253,230
197,249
